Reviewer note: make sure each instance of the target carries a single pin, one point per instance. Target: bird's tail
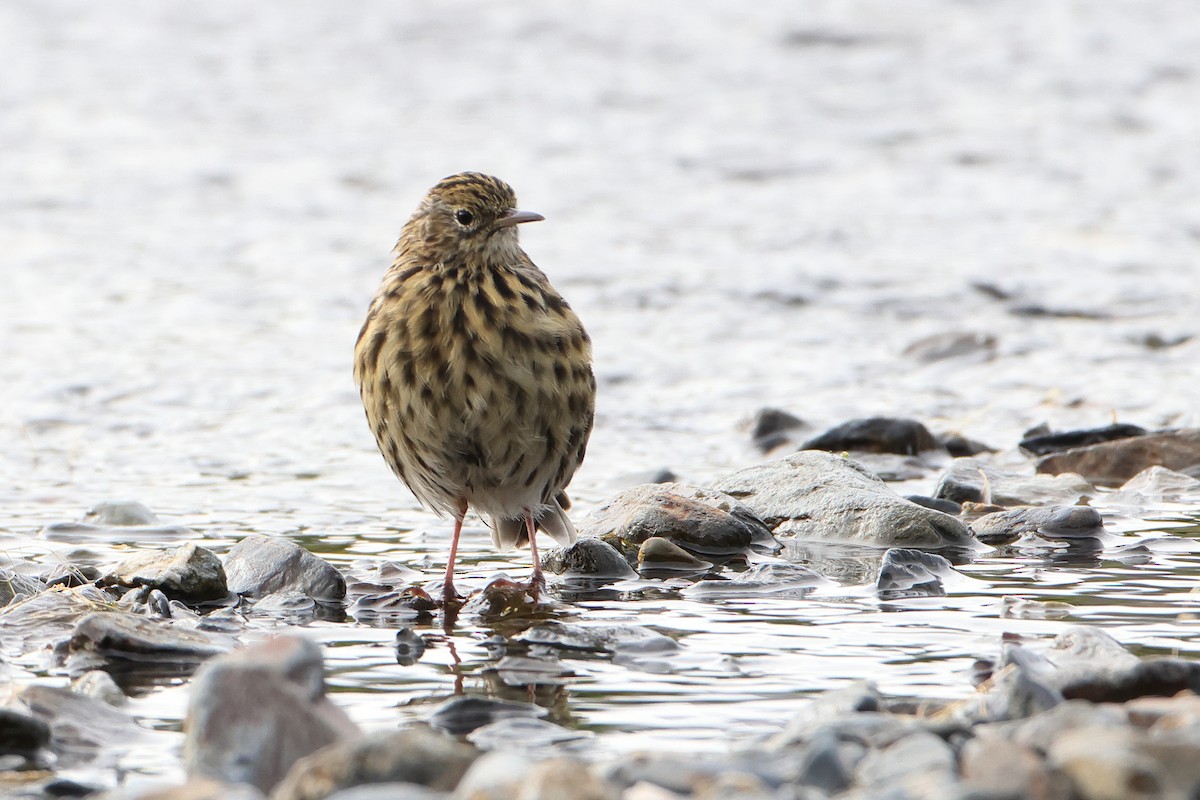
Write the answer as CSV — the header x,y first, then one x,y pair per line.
x,y
553,519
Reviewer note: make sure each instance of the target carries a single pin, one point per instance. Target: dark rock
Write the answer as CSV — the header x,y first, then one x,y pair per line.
x,y
1158,677
952,344
1063,522
825,764
505,598
116,640
15,586
81,727
659,557
588,557
462,714
188,573
409,647
1113,463
252,714
911,573
770,427
936,503
876,435
698,520
1044,443
415,756
22,735
971,480
960,446
820,496
260,565
147,602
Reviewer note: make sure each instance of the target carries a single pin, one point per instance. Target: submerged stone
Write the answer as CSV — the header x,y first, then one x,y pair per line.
x,y
911,573
461,715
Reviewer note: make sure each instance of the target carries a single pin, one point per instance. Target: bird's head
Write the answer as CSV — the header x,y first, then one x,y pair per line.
x,y
473,214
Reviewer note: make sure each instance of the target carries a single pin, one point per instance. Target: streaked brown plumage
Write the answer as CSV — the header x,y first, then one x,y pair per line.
x,y
475,374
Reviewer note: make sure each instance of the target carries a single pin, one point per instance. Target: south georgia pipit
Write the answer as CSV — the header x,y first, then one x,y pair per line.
x,y
475,374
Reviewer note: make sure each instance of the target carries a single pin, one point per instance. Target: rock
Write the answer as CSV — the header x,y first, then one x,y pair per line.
x,y
409,647
1044,443
564,779
971,480
1063,522
761,580
936,503
252,714
81,727
616,639
524,734
1039,731
188,573
1113,463
99,685
817,495
770,428
911,573
658,556
415,756
920,763
120,513
700,521
588,557
1153,487
105,638
201,789
875,435
22,735
952,344
260,565
15,586
46,617
460,715
147,602
496,775
995,767
505,598
1106,764
961,446
526,671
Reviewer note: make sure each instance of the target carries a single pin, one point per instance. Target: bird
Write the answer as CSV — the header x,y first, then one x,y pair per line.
x,y
475,374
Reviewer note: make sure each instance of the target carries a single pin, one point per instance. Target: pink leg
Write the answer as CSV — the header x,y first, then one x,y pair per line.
x,y
536,581
448,593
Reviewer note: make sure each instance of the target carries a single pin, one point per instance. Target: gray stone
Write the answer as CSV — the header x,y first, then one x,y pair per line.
x,y
252,714
260,565
698,520
99,684
15,586
417,756
1061,522
773,427
623,639
1113,463
1041,441
972,480
464,713
120,513
952,344
1107,764
104,638
588,557
996,766
82,728
920,763
818,495
524,734
911,573
188,573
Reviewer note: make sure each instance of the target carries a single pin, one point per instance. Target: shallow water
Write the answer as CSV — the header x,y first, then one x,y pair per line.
x,y
747,208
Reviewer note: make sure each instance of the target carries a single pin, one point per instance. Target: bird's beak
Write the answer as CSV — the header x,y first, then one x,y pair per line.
x,y
515,217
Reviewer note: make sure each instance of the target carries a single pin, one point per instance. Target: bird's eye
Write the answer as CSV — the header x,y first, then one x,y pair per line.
x,y
464,217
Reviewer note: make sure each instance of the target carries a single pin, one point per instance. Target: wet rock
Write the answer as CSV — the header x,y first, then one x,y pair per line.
x,y
761,580
524,734
588,557
1107,764
920,763
1044,443
460,715
409,647
116,640
1154,486
146,602
1021,688
1064,522
995,767
292,607
505,598
417,756
260,565
188,573
391,608
28,624
252,714
971,480
82,532
875,435
658,556
961,446
771,428
618,639
81,728
22,735
120,513
700,521
99,685
1039,731
679,773
523,671
1113,463
936,503
817,495
911,573
952,344
15,586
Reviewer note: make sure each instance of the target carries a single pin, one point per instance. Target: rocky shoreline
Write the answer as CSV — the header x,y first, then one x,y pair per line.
x,y
1076,716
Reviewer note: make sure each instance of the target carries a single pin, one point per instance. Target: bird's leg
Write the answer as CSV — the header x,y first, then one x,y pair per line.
x,y
448,593
536,580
